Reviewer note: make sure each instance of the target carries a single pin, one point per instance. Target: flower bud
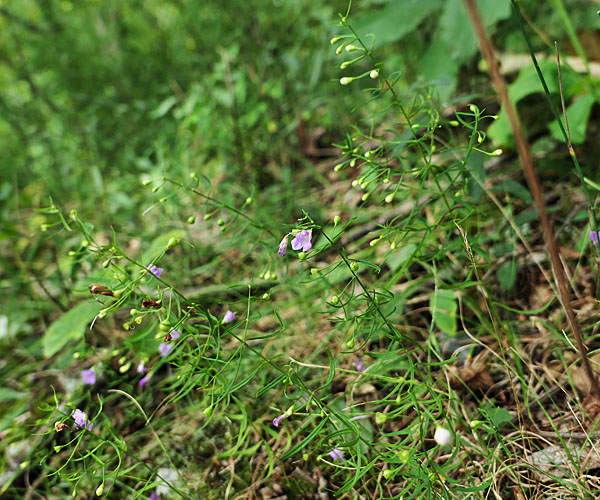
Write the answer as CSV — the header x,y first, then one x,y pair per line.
x,y
453,123
365,196
172,242
497,152
314,271
336,220
403,456
380,418
71,253
193,175
386,180
350,344
442,436
249,200
374,242
354,266
334,300
133,312
387,474
393,245
155,189
302,255
374,74
346,80
106,263
389,198
100,490
355,183
353,162
338,167
335,40
221,222
473,108
268,275
191,219
125,368
102,313
351,48
207,216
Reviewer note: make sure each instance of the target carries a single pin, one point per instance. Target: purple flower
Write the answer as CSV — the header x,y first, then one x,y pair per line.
x,y
154,496
336,454
360,366
88,376
278,420
594,238
163,349
302,240
155,270
144,380
141,369
174,334
81,419
229,317
283,245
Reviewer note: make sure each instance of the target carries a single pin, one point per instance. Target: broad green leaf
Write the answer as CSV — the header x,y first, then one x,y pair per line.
x,y
507,274
397,19
476,179
70,326
443,308
437,68
577,113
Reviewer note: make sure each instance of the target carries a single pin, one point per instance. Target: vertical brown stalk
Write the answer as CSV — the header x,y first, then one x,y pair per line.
x,y
536,191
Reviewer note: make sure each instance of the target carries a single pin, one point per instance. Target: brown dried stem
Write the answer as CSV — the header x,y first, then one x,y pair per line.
x,y
535,188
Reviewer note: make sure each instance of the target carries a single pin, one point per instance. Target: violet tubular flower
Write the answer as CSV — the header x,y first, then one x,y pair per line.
x,y
278,420
336,454
81,419
144,380
229,317
594,238
164,349
155,270
88,376
283,245
360,366
302,240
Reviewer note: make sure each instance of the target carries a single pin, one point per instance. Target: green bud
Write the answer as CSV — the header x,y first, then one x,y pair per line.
x,y
191,219
497,152
374,242
273,275
355,183
71,253
453,123
388,474
335,40
305,457
353,162
146,182
133,312
100,490
164,326
117,294
314,271
208,411
221,222
125,368
207,216
374,74
102,313
336,220
57,449
155,189
334,300
126,326
139,320
338,51
106,263
338,167
73,214
389,198
346,80
223,229
365,196
386,180
85,243
350,343
23,465
393,245
172,242
473,108
249,200
302,255
351,48
193,175
403,456
261,276
76,355
380,418
74,494
44,227
354,266
475,424
162,200
268,275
